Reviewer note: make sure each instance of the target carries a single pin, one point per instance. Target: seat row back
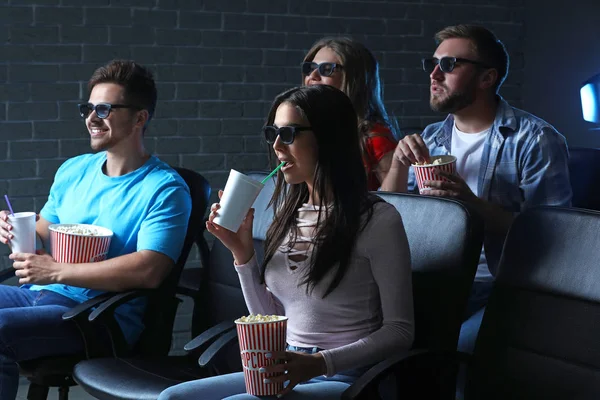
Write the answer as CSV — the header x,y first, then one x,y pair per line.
x,y
445,241
433,283
539,337
158,318
539,334
538,289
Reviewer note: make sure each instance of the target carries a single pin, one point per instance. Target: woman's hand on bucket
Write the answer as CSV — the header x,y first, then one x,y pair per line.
x,y
296,367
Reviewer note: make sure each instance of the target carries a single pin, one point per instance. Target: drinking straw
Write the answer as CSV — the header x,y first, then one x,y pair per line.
x,y
10,207
268,176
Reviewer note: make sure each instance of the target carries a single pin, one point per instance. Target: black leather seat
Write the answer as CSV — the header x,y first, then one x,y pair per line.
x,y
445,251
220,301
584,171
539,338
445,244
189,284
159,316
445,239
539,334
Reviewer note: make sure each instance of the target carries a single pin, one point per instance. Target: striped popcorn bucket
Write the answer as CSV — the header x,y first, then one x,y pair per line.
x,y
426,172
257,339
74,247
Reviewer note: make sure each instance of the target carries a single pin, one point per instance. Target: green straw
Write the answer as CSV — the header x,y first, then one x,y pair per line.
x,y
273,173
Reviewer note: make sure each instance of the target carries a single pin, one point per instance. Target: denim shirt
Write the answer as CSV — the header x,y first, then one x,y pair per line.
x,y
524,164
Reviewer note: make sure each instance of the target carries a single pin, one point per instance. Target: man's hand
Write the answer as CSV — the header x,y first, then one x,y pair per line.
x,y
456,188
410,150
6,228
40,269
497,220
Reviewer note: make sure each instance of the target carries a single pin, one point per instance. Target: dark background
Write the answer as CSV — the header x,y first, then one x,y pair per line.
x,y
219,63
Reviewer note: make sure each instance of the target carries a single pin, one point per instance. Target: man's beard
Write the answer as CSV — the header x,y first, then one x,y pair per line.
x,y
105,143
100,145
454,102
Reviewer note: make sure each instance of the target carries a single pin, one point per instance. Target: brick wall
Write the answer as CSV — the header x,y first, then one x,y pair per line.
x,y
218,64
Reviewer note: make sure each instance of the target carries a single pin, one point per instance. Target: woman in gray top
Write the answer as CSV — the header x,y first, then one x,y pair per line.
x,y
337,262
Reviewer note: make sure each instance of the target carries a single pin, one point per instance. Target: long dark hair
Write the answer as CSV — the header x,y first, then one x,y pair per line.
x,y
361,83
339,181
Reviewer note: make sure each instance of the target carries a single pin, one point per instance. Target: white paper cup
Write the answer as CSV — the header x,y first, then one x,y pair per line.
x,y
23,224
238,196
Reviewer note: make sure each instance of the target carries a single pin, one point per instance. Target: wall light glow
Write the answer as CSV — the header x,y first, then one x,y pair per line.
x,y
590,99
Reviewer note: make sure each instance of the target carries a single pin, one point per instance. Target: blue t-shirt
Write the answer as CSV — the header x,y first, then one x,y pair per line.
x,y
147,209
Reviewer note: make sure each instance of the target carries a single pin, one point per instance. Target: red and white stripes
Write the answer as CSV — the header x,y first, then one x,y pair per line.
x,y
426,173
257,339
69,248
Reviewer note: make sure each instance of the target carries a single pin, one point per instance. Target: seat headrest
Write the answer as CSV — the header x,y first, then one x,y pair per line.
x,y
554,250
584,173
437,229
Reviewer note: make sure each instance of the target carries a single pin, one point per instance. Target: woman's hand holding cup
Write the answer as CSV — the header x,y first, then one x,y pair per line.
x,y
240,243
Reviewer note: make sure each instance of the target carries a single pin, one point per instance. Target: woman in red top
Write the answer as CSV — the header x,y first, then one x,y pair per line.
x,y
349,66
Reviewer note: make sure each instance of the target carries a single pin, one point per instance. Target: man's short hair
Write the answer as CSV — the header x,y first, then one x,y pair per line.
x,y
137,81
489,49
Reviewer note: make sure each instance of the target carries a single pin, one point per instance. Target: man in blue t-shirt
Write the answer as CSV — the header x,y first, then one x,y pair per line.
x,y
121,187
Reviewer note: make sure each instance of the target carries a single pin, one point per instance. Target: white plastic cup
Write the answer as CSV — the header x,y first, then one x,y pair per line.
x,y
238,196
23,230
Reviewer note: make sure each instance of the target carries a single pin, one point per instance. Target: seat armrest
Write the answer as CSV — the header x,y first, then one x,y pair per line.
x,y
107,308
368,381
208,335
216,346
190,282
94,343
86,306
7,274
203,249
372,376
104,315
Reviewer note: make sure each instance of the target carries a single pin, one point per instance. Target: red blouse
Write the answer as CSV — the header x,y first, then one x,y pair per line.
x,y
380,142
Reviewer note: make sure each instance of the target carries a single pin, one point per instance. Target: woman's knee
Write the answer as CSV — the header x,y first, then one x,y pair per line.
x,y
216,387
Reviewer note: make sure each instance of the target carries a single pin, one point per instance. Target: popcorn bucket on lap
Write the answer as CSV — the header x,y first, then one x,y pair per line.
x,y
79,243
259,335
425,172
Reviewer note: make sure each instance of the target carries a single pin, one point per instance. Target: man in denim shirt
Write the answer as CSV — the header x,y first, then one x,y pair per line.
x,y
507,159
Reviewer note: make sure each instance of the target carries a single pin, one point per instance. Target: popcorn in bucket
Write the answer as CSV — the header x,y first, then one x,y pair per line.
x,y
425,172
259,335
79,243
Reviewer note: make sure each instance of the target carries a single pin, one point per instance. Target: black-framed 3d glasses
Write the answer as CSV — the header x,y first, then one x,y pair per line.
x,y
102,109
287,134
447,64
325,68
